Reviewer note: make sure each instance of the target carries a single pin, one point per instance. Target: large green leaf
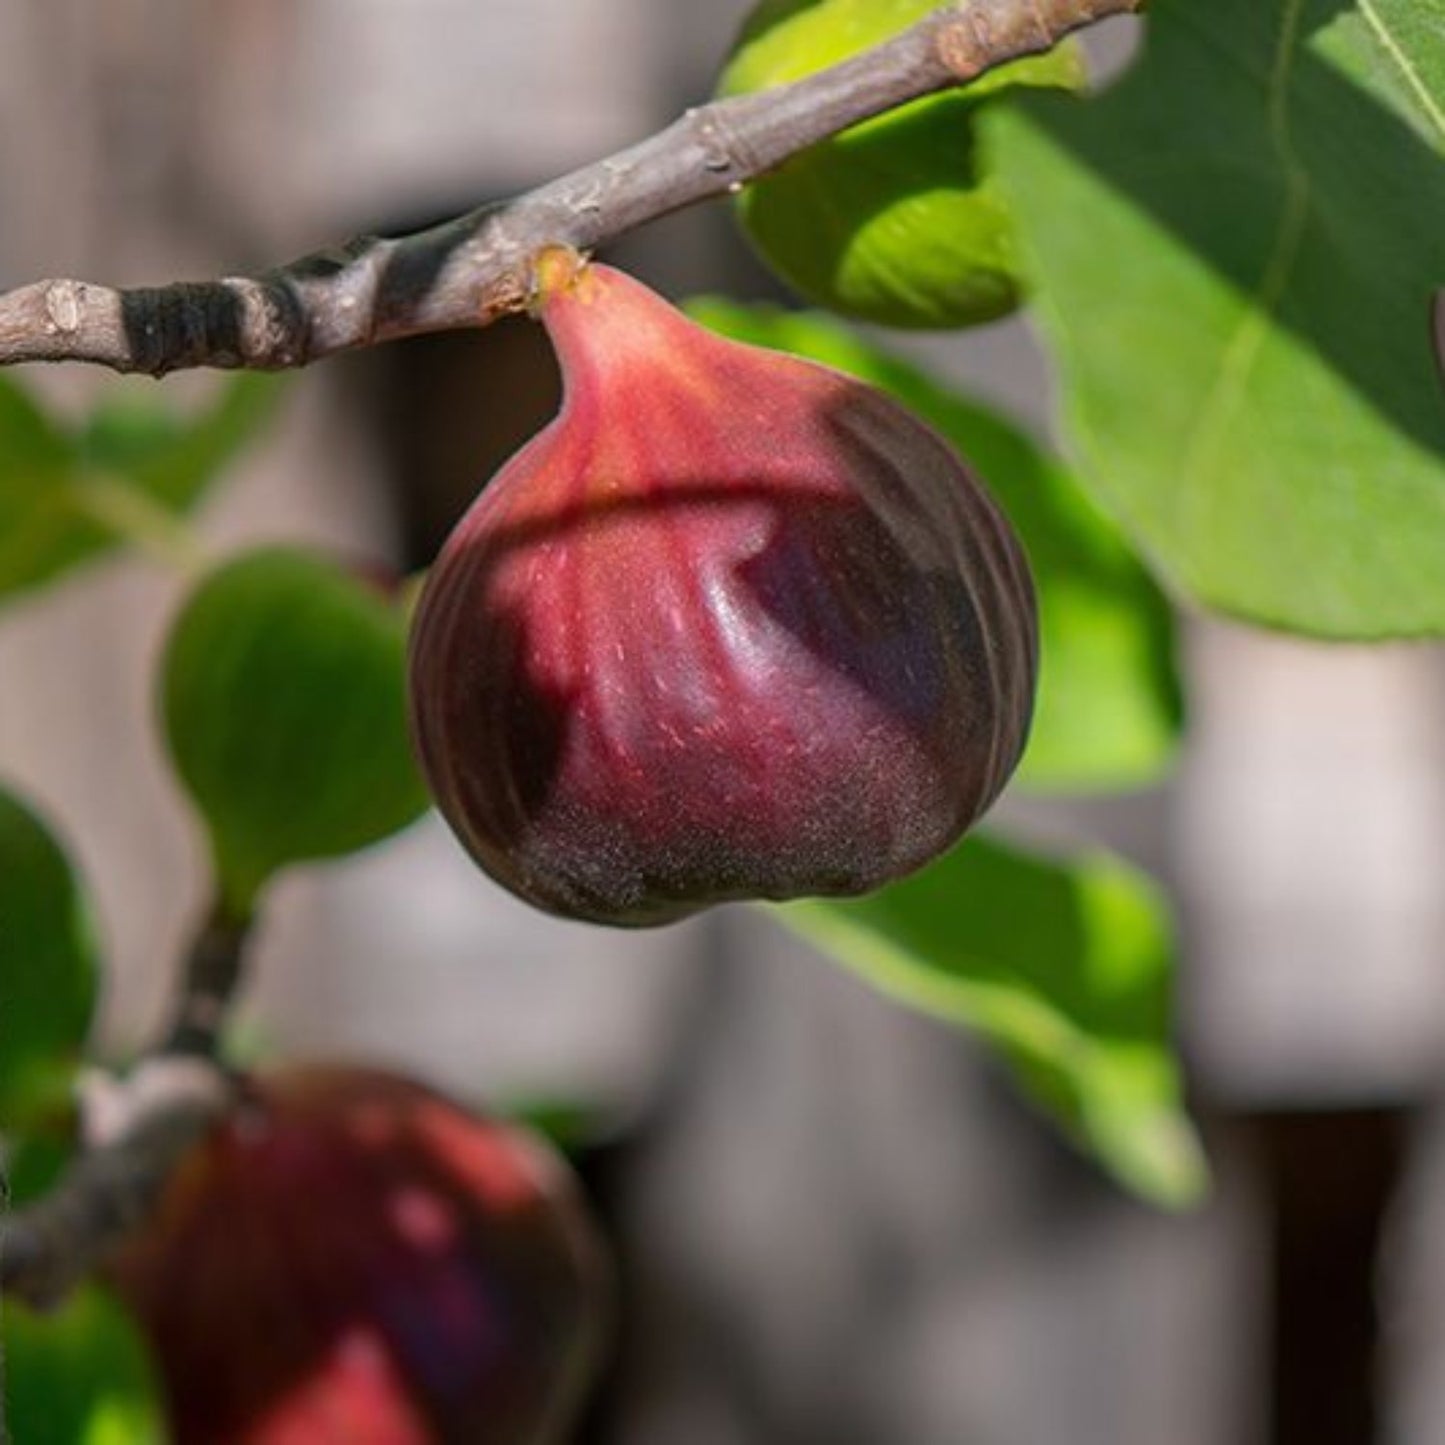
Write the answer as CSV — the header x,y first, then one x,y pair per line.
x,y
284,702
1234,251
48,964
1065,966
1109,711
79,1376
124,475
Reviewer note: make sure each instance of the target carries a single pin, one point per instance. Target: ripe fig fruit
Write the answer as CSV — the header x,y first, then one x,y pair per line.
x,y
734,625
350,1259
898,220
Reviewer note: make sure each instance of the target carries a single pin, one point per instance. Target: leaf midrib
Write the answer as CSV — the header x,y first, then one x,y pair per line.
x,y
1403,64
1238,355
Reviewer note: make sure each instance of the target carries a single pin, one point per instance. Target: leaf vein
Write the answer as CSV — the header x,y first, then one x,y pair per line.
x,y
1406,67
1239,354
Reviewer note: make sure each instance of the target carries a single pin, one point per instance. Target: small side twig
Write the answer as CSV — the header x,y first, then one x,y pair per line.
x,y
213,973
51,1245
469,271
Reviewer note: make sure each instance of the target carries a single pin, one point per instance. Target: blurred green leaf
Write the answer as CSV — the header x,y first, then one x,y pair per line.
x,y
79,1376
125,476
569,1125
284,702
33,1164
136,435
1109,709
41,531
897,220
1065,966
49,966
1233,252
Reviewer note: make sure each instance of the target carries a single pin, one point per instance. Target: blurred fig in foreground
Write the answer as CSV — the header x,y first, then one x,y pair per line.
x,y
350,1259
734,625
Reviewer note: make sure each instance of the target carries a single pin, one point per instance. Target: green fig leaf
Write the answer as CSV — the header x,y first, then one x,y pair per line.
x,y
34,1163
284,704
49,965
135,465
1066,967
1109,710
1233,252
79,1376
897,220
42,533
134,435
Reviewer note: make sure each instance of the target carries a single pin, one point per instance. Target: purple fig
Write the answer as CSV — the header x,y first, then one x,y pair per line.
x,y
734,625
350,1259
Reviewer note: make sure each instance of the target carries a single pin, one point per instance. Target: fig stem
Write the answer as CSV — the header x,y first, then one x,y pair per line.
x,y
555,270
469,271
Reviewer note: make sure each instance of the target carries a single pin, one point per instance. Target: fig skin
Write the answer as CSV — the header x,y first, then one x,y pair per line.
x,y
733,626
351,1259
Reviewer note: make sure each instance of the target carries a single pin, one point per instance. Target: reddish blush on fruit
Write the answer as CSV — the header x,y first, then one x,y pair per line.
x,y
733,626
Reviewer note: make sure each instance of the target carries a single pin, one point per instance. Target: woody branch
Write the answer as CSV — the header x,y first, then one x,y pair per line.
x,y
470,270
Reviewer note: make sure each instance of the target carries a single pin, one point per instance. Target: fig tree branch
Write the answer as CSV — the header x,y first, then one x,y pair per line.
x,y
48,1247
471,270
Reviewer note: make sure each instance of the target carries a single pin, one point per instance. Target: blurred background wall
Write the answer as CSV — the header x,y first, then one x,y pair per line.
x,y
837,1223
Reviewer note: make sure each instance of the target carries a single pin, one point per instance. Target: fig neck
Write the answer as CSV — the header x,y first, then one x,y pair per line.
x,y
602,322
